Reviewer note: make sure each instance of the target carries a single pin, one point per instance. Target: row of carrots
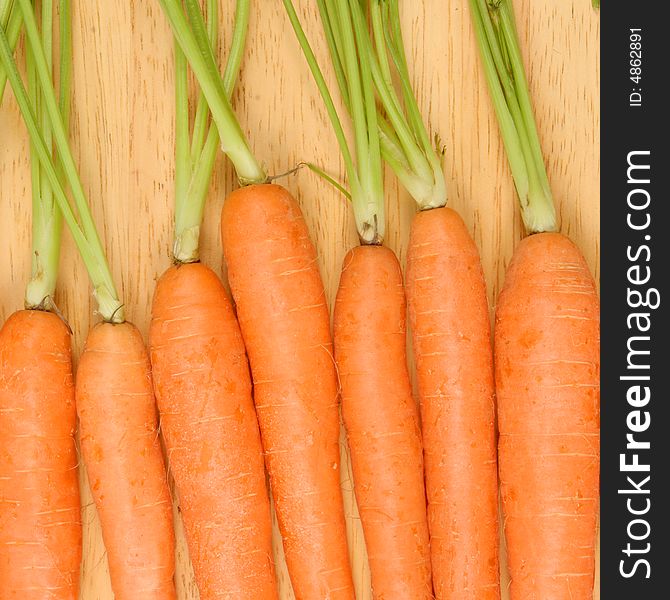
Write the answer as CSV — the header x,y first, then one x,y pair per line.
x,y
255,385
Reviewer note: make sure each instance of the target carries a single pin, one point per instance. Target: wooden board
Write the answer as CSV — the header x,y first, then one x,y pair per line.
x,y
123,138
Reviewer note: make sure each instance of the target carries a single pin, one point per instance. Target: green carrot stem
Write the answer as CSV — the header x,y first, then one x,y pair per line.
x,y
202,113
85,236
323,89
503,66
47,221
406,146
346,33
11,23
200,56
190,201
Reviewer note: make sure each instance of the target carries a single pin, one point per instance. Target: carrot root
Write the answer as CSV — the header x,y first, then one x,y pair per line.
x,y
450,326
203,390
281,306
121,450
40,522
547,372
382,422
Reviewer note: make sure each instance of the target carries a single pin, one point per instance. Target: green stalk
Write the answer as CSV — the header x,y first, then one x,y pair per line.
x,y
47,219
12,20
406,146
503,66
323,90
85,236
198,51
346,33
199,155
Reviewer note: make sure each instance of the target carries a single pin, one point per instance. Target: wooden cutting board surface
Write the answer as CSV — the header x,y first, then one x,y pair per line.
x,y
122,132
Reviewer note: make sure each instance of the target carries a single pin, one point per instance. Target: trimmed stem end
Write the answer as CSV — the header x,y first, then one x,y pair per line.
x,y
186,244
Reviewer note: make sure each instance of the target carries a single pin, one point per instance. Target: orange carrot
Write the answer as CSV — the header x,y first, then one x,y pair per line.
x,y
547,378
203,390
450,327
119,442
274,278
547,347
40,524
382,422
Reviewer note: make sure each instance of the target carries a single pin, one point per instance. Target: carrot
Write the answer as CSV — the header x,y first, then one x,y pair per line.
x,y
379,412
547,363
284,320
547,374
119,443
40,524
115,403
382,422
281,307
203,390
201,373
450,327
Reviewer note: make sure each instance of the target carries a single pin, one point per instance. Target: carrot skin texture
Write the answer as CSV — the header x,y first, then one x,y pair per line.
x,y
382,423
203,390
40,522
119,442
281,307
547,351
451,336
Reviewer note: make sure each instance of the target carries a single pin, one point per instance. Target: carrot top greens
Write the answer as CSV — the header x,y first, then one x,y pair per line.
x,y
80,223
47,218
503,65
10,21
197,144
190,31
346,30
406,146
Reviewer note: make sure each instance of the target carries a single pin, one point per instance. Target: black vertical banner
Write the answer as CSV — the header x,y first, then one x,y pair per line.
x,y
635,268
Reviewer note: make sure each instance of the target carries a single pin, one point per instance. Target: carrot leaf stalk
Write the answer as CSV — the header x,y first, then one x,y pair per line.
x,y
503,65
197,145
346,30
190,32
47,218
406,146
82,228
11,22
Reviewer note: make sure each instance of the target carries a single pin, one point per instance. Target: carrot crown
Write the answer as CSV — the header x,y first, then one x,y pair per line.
x,y
82,228
189,29
346,31
503,65
197,143
406,146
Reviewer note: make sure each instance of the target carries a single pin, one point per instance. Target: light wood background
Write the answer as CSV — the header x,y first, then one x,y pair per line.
x,y
122,132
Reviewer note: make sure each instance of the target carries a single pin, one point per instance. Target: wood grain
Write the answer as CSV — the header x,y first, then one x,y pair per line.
x,y
122,133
